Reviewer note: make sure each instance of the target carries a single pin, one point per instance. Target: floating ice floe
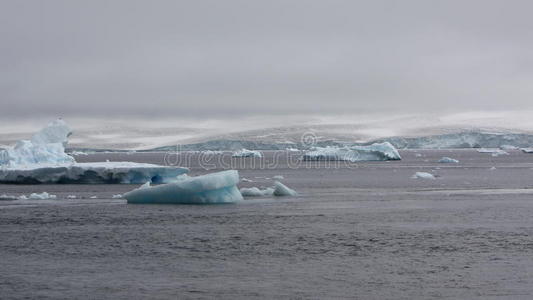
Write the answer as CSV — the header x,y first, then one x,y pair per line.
x,y
117,196
78,153
206,189
508,147
374,152
8,197
99,172
493,152
246,180
278,177
211,152
256,192
527,150
247,153
423,175
38,196
71,197
43,160
282,190
279,190
448,160
292,150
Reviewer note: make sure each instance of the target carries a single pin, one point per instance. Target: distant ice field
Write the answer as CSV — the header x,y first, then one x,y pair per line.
x,y
364,230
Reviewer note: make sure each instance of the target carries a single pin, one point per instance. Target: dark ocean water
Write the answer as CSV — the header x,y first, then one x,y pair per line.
x,y
361,230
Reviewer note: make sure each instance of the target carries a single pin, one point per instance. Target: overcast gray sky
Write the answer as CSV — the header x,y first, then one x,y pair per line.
x,y
228,58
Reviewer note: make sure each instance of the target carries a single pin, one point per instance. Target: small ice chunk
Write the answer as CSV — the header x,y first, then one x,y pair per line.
x,y
448,160
278,177
527,150
71,197
492,168
93,197
508,147
246,180
247,153
42,196
117,196
292,150
7,197
423,175
211,152
256,192
418,155
206,189
282,190
78,153
493,152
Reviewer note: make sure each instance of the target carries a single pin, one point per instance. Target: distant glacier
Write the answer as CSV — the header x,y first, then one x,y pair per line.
x,y
466,139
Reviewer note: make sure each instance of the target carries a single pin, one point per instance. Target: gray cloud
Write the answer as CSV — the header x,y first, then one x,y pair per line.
x,y
225,58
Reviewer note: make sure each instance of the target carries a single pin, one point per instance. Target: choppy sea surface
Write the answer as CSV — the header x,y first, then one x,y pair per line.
x,y
357,231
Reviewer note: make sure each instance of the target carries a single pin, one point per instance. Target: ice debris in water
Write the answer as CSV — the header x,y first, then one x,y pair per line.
x,y
493,152
527,150
508,147
93,197
282,190
374,152
78,153
7,197
247,153
423,175
117,196
256,192
278,177
246,180
71,197
43,160
206,189
448,160
211,152
38,196
278,190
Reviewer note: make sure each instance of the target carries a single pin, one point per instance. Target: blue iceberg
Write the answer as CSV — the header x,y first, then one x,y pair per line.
x,y
212,188
43,159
